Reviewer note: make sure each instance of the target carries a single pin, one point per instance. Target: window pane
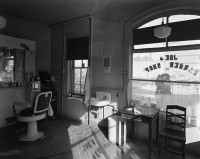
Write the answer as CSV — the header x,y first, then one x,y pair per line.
x,y
76,75
182,43
169,66
162,94
154,23
155,45
80,72
82,89
78,63
77,88
84,71
178,18
85,63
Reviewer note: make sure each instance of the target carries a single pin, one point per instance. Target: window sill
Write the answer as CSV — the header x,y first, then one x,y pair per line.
x,y
77,98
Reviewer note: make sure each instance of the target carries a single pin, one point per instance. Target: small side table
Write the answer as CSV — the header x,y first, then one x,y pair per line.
x,y
148,115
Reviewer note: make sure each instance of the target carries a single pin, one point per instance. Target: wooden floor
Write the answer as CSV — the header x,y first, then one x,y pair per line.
x,y
67,139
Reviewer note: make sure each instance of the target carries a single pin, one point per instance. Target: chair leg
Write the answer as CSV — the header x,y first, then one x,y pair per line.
x,y
32,133
160,148
183,151
165,145
45,124
16,126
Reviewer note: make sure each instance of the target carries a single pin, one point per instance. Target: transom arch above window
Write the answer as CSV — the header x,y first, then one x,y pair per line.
x,y
185,31
171,19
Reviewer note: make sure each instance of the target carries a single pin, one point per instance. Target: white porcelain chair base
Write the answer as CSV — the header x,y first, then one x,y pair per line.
x,y
32,133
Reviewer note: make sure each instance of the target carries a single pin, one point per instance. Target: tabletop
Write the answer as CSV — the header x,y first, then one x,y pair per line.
x,y
140,111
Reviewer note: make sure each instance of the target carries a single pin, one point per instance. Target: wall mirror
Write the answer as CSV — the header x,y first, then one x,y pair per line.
x,y
11,67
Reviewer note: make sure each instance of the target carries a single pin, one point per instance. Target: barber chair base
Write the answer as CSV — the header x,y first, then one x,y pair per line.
x,y
25,137
32,133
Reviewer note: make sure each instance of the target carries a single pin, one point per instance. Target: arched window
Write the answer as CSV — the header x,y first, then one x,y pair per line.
x,y
167,71
185,31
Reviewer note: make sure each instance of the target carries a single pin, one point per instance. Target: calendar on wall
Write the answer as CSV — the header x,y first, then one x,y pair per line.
x,y
107,64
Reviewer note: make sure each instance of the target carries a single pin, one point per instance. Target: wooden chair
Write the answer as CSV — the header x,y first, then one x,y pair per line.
x,y
174,129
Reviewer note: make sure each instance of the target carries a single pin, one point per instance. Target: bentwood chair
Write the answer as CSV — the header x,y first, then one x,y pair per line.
x,y
174,130
33,114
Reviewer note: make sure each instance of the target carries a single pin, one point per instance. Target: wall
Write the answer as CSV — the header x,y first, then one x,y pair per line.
x,y
42,36
39,33
72,108
109,40
56,61
108,36
7,96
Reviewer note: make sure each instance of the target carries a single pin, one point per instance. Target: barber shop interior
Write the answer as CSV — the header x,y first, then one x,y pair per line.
x,y
99,79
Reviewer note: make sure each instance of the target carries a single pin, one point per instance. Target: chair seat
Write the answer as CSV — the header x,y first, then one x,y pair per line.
x,y
173,134
33,118
26,112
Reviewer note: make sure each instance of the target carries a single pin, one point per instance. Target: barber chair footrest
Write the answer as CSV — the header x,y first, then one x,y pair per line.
x,y
27,137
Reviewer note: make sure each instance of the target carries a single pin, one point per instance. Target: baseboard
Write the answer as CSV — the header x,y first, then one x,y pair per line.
x,y
74,119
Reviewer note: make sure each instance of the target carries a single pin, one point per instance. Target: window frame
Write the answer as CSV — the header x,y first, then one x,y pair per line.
x,y
73,93
174,48
160,49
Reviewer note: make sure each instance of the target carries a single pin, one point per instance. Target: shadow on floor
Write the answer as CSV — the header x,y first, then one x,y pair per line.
x,y
57,142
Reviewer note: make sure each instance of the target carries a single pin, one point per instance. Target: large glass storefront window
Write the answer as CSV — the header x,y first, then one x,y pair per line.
x,y
167,75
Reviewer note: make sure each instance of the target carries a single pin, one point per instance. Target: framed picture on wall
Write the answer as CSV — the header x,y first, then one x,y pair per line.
x,y
107,64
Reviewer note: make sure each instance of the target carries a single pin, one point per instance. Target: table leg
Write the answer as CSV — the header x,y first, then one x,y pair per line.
x,y
157,128
89,115
133,128
150,141
103,112
122,133
14,111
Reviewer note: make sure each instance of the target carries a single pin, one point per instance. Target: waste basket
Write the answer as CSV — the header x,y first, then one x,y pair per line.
x,y
116,129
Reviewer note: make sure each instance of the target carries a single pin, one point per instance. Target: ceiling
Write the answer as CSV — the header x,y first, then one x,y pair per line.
x,y
55,11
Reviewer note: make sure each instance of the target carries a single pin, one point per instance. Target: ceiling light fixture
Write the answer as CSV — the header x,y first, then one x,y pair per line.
x,y
162,31
3,22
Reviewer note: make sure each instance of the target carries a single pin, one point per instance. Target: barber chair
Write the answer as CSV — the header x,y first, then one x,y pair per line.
x,y
32,115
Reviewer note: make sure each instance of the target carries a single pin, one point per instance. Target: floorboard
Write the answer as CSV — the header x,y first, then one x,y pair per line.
x,y
68,139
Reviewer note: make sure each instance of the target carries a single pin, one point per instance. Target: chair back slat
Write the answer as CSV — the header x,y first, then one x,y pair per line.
x,y
42,102
169,122
181,116
175,117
